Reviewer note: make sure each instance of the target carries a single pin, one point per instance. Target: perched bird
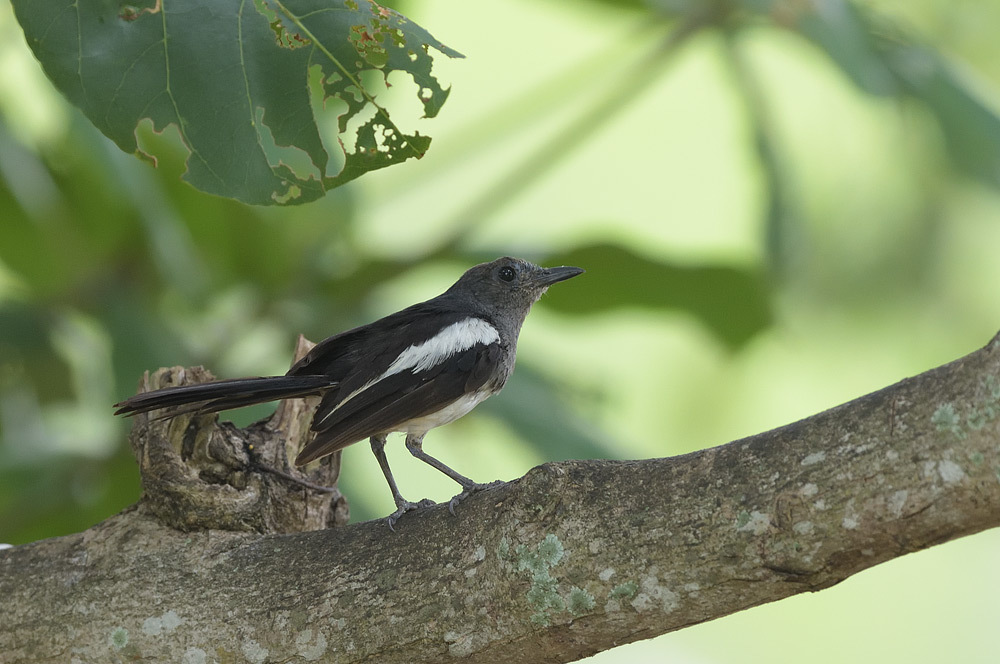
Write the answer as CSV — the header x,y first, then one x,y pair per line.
x,y
411,371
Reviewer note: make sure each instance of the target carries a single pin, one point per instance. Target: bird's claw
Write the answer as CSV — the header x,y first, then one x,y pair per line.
x,y
467,491
404,506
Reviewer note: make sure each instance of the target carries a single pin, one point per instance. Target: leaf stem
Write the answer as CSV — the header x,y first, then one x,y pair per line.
x,y
639,76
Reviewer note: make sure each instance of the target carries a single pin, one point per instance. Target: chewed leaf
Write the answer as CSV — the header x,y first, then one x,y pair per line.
x,y
243,82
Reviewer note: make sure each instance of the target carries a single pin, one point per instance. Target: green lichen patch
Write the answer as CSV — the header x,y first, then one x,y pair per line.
x,y
978,418
974,416
118,638
945,418
992,384
580,601
551,593
544,594
550,551
503,548
540,618
625,590
542,558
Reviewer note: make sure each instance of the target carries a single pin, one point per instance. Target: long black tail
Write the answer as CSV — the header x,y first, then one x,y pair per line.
x,y
224,394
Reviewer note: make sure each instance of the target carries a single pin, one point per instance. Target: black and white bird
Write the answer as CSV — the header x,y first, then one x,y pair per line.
x,y
411,371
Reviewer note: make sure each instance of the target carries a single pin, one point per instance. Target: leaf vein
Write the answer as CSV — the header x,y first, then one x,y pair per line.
x,y
181,122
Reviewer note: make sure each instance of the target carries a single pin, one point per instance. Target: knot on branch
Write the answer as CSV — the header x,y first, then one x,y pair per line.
x,y
198,473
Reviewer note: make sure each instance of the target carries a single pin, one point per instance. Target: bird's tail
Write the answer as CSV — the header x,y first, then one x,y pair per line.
x,y
223,394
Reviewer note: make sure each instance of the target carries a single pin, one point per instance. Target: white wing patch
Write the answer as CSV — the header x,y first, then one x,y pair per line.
x,y
455,338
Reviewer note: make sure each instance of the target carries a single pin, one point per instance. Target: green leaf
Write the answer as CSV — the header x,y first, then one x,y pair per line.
x,y
971,129
839,28
734,303
883,59
242,82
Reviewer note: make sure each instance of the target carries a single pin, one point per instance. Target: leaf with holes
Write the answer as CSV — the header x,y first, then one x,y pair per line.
x,y
244,83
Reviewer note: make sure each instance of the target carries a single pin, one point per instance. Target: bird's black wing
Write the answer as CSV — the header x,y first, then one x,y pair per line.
x,y
355,356
401,397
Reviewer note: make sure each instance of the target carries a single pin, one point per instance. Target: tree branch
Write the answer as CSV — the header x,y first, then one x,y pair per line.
x,y
571,559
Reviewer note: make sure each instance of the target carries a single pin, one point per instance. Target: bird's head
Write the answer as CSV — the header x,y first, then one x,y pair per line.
x,y
507,287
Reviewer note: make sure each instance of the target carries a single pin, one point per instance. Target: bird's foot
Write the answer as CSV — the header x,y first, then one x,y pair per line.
x,y
468,490
404,506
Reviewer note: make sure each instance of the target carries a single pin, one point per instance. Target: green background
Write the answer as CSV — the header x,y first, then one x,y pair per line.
x,y
759,246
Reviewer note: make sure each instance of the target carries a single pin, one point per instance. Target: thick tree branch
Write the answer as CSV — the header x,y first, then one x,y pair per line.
x,y
571,559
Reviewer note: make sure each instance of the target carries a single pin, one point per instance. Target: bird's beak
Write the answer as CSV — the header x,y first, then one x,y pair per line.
x,y
551,275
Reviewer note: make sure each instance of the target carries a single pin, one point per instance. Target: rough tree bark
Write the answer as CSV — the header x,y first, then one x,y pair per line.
x,y
571,559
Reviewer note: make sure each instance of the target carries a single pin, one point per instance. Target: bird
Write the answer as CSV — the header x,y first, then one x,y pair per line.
x,y
412,371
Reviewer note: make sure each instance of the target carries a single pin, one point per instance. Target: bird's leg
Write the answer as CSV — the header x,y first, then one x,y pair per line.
x,y
415,444
402,505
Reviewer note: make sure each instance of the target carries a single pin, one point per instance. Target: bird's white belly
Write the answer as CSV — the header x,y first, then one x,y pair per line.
x,y
449,413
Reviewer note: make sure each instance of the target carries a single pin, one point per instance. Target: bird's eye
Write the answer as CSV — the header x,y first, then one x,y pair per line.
x,y
507,273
